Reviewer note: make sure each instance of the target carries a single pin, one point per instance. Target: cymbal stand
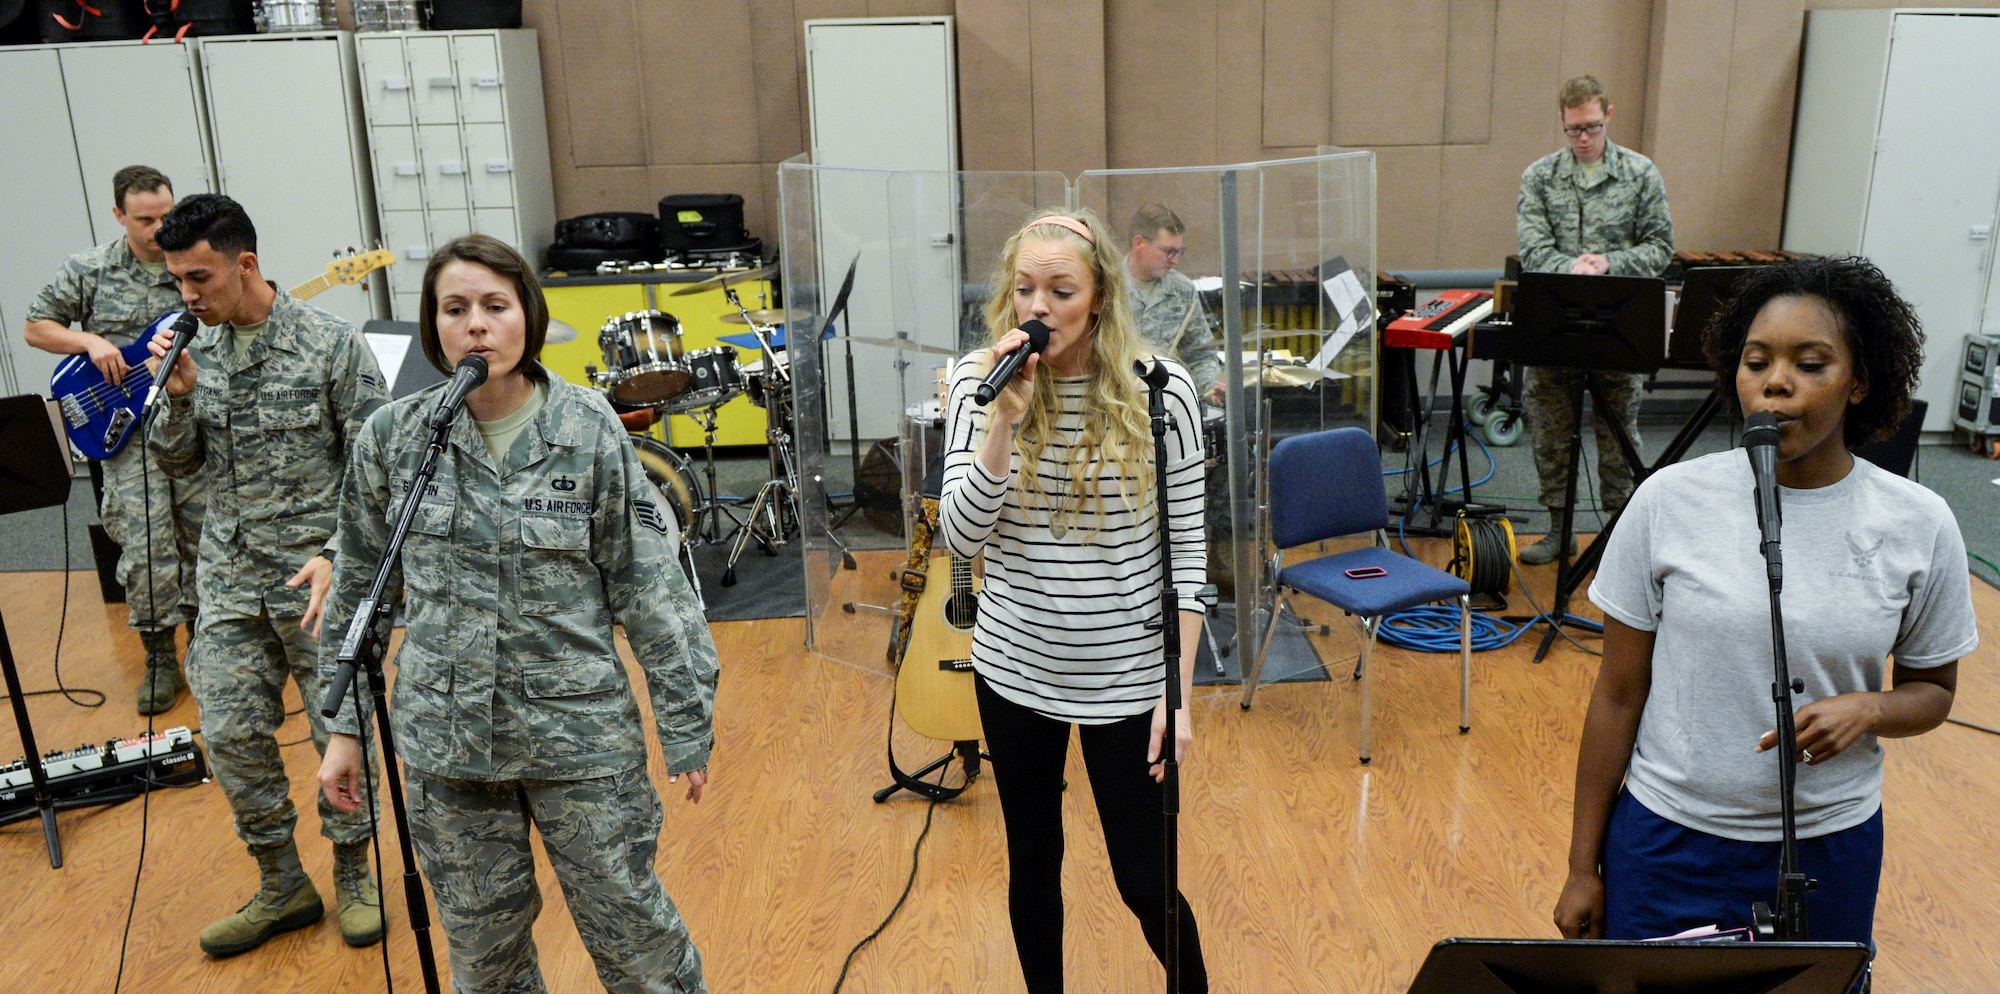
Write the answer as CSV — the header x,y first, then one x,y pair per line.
x,y
705,526
774,513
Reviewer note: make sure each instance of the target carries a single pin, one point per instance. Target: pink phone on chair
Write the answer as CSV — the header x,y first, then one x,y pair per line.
x,y
1366,572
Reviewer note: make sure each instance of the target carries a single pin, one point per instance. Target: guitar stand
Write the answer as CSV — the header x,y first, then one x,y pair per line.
x,y
915,783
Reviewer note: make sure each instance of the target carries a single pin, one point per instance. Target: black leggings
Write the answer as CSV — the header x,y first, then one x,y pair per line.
x,y
1029,751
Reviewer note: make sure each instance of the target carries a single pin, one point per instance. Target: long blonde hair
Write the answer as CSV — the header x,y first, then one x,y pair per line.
x,y
1117,431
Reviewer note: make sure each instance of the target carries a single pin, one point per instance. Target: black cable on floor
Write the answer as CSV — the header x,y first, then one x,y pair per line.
x,y
62,626
1974,726
916,851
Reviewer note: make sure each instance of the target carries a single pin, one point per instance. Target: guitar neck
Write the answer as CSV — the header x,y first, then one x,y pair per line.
x,y
311,288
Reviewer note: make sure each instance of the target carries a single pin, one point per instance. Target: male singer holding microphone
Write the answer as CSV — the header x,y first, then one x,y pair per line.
x,y
1594,208
268,398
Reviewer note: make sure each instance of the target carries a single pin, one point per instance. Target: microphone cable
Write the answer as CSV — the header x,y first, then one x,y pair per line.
x,y
916,852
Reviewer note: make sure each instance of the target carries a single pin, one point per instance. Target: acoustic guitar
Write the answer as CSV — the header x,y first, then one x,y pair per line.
x,y
101,417
934,684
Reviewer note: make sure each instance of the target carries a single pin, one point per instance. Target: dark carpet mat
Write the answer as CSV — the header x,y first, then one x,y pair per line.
x,y
1291,659
766,586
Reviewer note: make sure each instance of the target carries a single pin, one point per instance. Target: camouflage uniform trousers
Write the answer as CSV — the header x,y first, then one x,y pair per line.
x,y
601,835
1548,397
159,588
237,668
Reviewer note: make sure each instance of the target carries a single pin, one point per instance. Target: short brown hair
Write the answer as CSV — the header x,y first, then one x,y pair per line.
x,y
1579,90
498,256
144,179
1152,219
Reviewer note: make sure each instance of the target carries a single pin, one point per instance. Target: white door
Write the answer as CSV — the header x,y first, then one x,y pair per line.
x,y
117,127
1937,167
48,216
285,149
883,96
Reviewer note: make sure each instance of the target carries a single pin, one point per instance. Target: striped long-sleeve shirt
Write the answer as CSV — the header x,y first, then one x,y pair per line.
x,y
1062,620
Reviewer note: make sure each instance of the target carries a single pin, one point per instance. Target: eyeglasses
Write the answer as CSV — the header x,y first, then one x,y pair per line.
x,y
1172,254
1579,130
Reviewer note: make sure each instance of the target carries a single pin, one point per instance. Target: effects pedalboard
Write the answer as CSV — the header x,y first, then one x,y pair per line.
x,y
104,774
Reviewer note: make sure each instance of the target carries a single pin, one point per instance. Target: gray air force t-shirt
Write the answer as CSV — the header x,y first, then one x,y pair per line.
x,y
1874,567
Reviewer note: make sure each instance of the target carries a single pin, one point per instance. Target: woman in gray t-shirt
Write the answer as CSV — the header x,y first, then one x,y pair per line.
x,y
1676,822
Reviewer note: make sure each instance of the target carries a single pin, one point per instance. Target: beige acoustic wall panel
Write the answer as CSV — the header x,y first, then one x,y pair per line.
x,y
1388,87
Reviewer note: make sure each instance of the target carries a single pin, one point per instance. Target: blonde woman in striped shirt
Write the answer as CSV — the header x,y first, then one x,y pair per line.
x,y
1054,482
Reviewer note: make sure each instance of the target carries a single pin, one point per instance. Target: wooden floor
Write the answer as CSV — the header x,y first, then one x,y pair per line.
x,y
1306,871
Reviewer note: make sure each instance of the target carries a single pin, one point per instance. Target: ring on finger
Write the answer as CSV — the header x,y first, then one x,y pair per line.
x,y
1807,753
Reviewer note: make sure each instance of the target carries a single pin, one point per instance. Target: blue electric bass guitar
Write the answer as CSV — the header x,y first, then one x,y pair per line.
x,y
101,417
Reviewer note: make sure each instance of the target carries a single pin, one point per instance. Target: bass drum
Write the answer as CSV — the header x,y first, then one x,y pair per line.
x,y
675,478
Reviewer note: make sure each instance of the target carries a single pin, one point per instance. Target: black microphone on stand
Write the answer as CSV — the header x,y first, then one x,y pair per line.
x,y
1011,363
1760,439
184,329
469,374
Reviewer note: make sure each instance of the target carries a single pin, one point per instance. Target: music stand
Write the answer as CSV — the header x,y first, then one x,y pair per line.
x,y
1594,966
1604,324
34,473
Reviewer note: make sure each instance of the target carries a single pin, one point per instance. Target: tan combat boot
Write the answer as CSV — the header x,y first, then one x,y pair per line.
x,y
161,686
358,898
286,899
1544,551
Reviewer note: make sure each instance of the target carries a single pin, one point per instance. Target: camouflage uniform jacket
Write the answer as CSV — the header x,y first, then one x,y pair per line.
x,y
107,293
273,429
1622,216
515,573
1161,314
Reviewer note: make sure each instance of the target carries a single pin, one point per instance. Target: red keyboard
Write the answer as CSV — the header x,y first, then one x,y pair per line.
x,y
1440,323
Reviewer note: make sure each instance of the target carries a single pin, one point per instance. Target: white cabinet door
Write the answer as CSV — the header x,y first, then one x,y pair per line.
x,y
48,220
444,166
135,104
285,149
500,223
489,165
399,174
480,98
447,225
433,81
883,96
1937,166
403,233
385,79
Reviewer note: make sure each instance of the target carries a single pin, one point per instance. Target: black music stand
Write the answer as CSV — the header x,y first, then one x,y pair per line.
x,y
1602,324
34,473
1593,966
1705,293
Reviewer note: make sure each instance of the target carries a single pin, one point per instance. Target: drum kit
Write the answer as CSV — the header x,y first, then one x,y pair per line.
x,y
648,369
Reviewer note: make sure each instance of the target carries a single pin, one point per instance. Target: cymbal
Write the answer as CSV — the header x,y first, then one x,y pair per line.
x,y
1282,375
719,279
559,332
768,315
903,345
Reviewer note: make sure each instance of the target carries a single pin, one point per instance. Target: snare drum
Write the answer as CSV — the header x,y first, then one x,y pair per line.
x,y
757,380
642,358
716,380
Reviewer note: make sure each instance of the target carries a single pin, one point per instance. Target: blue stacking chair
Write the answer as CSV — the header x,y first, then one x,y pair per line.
x,y
1327,485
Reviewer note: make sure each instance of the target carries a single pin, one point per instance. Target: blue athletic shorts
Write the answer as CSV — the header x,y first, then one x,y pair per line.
x,y
1661,878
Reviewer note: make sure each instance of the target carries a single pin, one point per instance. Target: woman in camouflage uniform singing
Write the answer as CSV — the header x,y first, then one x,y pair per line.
x,y
511,706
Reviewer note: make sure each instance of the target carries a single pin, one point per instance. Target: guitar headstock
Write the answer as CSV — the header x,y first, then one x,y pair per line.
x,y
353,268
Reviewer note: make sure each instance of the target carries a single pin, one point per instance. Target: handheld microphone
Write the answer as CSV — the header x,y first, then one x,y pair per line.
x,y
1760,438
184,328
469,374
1011,363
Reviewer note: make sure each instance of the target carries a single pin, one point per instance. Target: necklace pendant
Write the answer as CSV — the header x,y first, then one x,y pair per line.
x,y
1059,525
